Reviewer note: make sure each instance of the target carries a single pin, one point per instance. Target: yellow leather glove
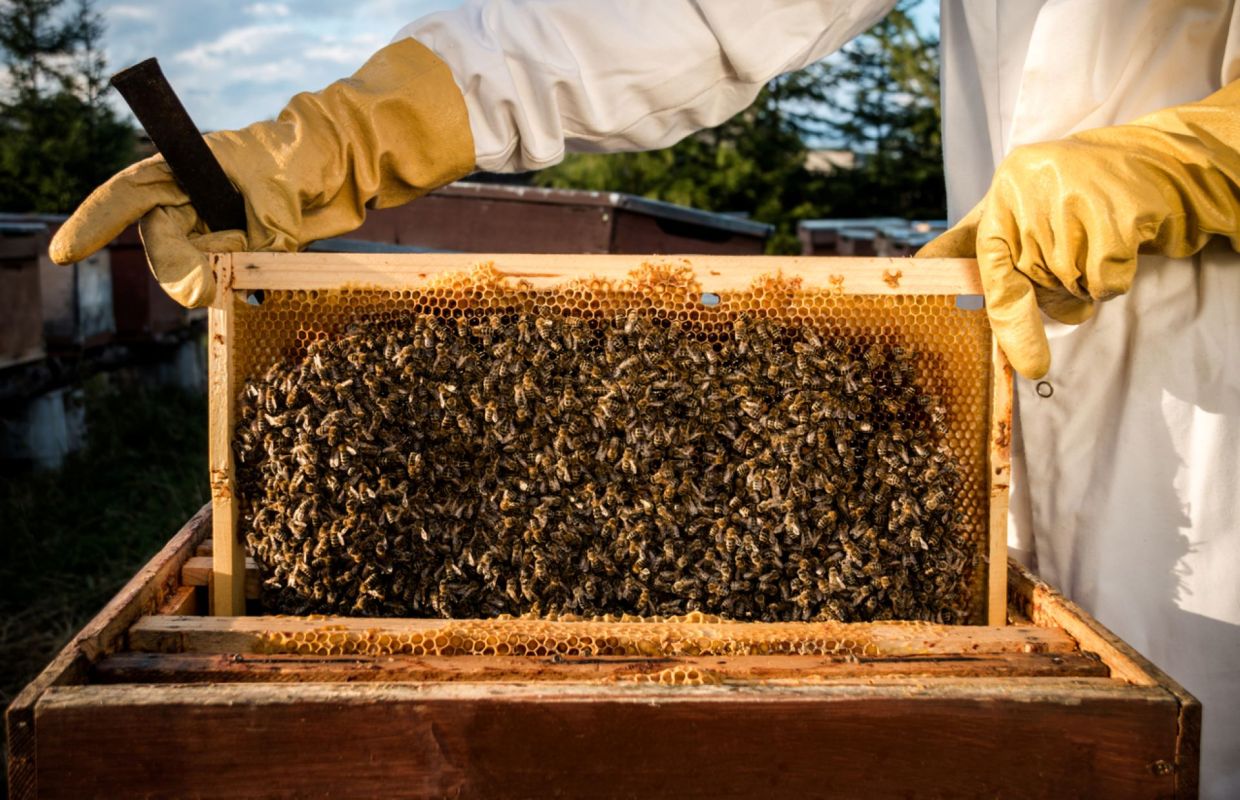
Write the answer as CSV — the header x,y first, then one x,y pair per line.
x,y
1063,221
392,132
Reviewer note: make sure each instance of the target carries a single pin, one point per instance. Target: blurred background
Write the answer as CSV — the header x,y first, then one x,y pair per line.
x,y
102,378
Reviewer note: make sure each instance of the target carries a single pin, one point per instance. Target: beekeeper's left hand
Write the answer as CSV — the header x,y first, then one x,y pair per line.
x,y
1064,221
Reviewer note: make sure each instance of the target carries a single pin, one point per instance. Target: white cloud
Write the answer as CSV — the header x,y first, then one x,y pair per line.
x,y
267,10
237,61
235,43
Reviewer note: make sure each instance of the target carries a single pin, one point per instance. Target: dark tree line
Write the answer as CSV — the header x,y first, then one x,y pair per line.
x,y
878,97
58,138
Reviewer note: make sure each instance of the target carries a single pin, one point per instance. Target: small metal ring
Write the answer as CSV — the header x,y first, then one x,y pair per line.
x,y
1044,389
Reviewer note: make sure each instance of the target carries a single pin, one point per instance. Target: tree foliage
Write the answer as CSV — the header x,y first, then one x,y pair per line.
x,y
58,139
879,97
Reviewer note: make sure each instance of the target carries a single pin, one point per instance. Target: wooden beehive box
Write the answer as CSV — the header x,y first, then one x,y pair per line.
x,y
915,302
493,218
77,301
159,697
141,309
822,237
151,699
21,314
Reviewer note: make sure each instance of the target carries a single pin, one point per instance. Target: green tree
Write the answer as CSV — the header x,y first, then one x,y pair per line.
x,y
58,138
754,162
878,97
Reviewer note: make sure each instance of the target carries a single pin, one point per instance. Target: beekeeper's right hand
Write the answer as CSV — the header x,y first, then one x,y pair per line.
x,y
394,131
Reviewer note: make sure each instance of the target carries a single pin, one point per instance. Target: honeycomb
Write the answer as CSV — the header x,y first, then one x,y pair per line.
x,y
680,676
690,635
950,346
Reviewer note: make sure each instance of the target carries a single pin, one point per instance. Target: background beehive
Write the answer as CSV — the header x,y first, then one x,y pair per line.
x,y
952,345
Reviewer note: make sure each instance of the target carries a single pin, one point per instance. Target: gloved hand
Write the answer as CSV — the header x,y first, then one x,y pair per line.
x,y
392,132
1063,221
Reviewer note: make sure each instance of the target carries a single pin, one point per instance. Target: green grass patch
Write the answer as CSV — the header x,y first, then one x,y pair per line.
x,y
70,539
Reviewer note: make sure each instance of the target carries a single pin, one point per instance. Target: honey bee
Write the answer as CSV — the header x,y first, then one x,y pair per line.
x,y
935,500
490,457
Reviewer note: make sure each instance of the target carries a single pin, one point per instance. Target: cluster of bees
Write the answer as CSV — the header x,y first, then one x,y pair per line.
x,y
541,463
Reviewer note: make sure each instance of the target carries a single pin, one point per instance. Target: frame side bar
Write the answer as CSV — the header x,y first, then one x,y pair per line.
x,y
1000,477
228,555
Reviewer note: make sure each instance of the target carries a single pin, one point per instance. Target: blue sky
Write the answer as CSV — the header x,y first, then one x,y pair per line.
x,y
237,61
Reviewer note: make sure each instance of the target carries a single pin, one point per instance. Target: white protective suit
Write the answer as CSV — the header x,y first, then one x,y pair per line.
x,y
1127,478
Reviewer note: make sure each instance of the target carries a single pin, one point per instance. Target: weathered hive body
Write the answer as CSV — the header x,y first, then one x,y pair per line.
x,y
152,699
762,363
1043,702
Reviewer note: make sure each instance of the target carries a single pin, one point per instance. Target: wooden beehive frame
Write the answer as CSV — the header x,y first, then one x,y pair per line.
x,y
131,698
244,272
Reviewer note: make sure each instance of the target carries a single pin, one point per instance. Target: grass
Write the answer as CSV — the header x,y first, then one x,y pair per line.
x,y
70,539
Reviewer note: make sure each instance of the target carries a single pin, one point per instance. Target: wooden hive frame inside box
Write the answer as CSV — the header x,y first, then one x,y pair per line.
x,y
149,699
240,274
1051,704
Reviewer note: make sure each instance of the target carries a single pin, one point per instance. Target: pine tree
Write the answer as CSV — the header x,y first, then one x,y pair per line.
x,y
754,162
878,97
58,138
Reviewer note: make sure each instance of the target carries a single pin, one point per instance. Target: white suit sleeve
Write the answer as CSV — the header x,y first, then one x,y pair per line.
x,y
542,77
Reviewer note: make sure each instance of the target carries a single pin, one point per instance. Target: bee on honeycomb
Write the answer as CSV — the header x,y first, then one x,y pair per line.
x,y
527,460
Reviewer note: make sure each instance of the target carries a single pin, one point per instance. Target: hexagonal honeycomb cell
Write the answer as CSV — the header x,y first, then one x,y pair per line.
x,y
690,635
949,346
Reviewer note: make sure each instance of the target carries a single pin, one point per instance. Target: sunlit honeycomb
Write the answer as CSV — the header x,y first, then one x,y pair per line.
x,y
690,635
952,346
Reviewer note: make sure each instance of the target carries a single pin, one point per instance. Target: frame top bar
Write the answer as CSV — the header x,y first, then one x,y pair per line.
x,y
850,276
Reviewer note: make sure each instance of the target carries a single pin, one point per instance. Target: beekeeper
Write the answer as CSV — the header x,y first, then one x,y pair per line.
x,y
1081,134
